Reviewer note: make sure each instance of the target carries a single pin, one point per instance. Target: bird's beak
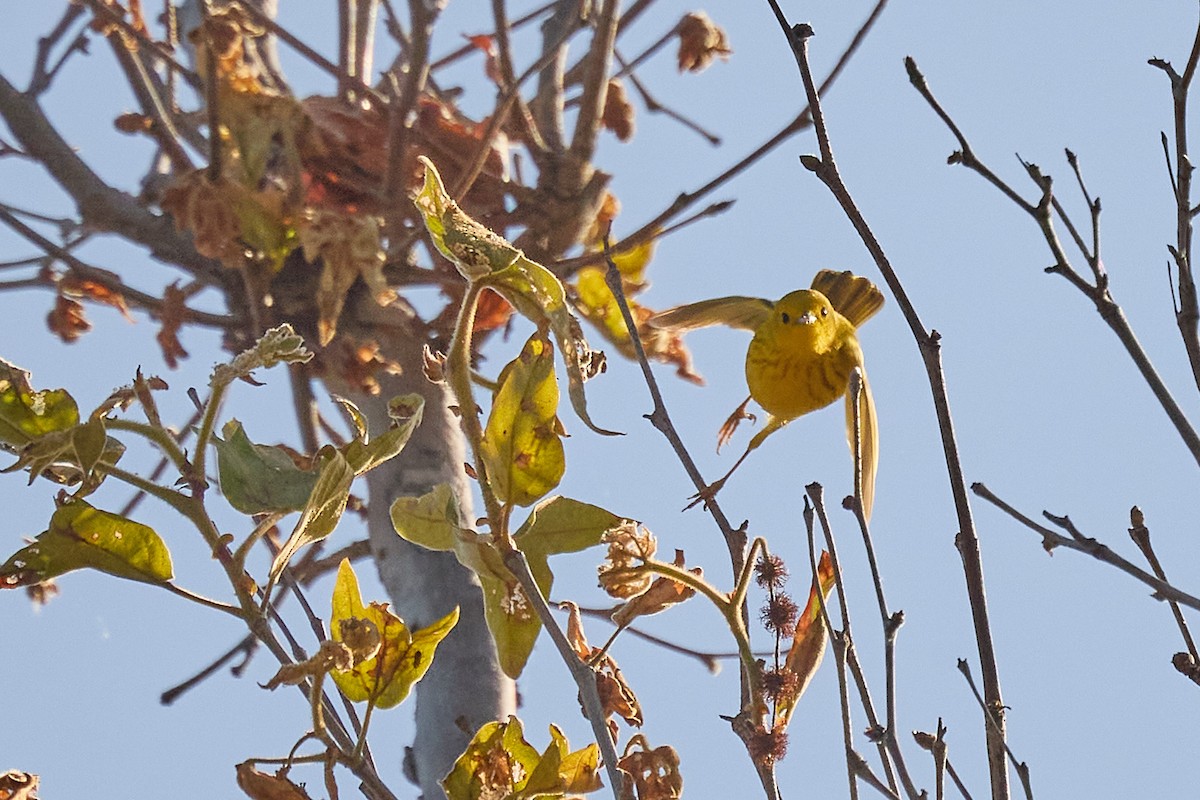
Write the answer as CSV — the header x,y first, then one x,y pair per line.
x,y
807,318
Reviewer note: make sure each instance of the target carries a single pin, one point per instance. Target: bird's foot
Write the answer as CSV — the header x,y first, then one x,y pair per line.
x,y
730,425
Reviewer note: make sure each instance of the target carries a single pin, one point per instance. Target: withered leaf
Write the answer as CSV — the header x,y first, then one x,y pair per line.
x,y
700,41
618,111
66,320
263,786
171,317
655,772
662,594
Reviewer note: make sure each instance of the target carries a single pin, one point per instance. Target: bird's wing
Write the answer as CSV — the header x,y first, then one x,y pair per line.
x,y
852,296
736,312
870,439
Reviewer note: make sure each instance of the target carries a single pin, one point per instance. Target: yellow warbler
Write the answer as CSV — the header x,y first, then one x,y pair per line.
x,y
804,349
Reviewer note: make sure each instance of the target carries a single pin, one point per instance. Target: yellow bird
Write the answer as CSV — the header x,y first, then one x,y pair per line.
x,y
804,349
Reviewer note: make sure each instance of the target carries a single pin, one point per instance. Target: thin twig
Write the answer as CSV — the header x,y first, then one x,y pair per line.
x,y
1076,541
312,55
43,71
108,279
1099,294
685,200
1141,537
1187,316
886,742
1020,766
113,17
711,661
101,206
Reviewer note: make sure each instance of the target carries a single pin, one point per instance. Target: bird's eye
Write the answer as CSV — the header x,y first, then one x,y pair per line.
x,y
824,311
786,319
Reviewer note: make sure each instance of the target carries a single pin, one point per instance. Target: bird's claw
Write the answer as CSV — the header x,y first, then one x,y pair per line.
x,y
730,425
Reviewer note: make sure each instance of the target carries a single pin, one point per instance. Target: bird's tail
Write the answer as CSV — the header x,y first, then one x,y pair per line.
x,y
852,296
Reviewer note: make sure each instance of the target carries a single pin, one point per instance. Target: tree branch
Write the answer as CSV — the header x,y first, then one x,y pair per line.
x,y
101,206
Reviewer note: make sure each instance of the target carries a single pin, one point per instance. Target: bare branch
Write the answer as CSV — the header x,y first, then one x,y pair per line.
x,y
1099,294
109,279
43,71
1093,548
100,206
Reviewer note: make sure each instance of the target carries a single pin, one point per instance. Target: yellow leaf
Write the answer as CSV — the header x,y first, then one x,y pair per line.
x,y
522,446
402,659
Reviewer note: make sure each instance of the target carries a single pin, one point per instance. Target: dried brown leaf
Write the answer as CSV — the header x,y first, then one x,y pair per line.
x,y
17,785
655,772
629,546
700,41
661,595
263,786
171,316
67,320
349,247
96,292
618,111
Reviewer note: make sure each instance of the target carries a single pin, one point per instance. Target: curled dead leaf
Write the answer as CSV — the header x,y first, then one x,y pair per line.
x,y
67,320
700,41
433,365
655,772
264,786
17,785
661,595
349,247
95,292
618,111
616,696
171,317
205,208
331,655
628,548
223,33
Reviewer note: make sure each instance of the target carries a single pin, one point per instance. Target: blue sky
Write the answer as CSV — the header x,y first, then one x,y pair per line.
x,y
1048,409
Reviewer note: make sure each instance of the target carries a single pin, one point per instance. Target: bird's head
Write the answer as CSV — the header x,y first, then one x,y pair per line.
x,y
804,314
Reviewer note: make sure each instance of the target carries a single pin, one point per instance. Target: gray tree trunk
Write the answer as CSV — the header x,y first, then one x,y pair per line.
x,y
465,687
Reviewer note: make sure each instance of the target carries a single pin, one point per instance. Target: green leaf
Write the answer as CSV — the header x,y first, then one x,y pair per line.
x,y
521,446
538,295
26,414
278,345
499,764
257,478
560,525
364,454
322,511
557,525
487,258
386,678
432,521
80,537
71,456
471,247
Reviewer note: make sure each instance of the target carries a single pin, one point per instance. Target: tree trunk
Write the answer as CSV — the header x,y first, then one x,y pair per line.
x,y
465,687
